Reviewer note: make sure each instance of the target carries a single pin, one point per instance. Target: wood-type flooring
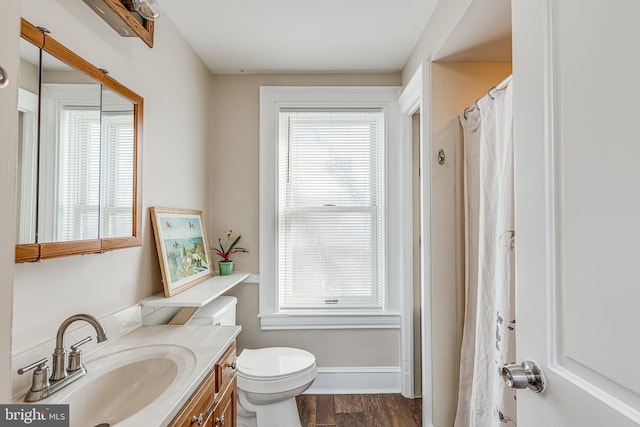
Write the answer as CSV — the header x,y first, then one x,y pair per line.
x,y
359,410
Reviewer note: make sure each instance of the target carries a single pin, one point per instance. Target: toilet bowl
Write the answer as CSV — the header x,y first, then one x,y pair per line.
x,y
269,379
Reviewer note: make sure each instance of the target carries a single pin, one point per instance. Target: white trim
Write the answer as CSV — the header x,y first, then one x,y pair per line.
x,y
356,380
425,237
27,167
272,99
277,321
410,101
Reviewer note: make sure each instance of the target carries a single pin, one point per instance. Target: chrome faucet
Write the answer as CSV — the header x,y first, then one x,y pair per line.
x,y
59,354
42,385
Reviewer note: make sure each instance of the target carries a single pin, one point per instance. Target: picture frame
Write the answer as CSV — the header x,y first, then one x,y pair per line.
x,y
183,248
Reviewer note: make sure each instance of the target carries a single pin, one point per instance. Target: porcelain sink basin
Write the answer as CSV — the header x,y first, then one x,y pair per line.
x,y
121,383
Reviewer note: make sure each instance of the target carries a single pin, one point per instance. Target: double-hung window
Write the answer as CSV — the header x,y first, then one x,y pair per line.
x,y
330,210
325,208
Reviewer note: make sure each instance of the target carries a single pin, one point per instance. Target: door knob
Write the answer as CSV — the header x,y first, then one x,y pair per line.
x,y
4,78
525,375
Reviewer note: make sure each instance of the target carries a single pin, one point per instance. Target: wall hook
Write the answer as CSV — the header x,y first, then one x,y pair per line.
x,y
441,157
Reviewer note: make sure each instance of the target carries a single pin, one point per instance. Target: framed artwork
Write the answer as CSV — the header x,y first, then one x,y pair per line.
x,y
183,248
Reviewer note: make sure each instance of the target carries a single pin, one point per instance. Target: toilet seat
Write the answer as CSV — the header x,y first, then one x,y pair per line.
x,y
274,369
273,362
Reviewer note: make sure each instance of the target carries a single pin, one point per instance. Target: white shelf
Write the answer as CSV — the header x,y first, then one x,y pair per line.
x,y
198,295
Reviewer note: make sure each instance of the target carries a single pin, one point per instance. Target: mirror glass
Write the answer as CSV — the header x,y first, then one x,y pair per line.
x,y
70,133
118,165
27,177
78,188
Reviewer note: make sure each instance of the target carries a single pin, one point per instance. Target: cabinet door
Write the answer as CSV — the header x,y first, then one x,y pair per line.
x,y
197,411
226,368
224,412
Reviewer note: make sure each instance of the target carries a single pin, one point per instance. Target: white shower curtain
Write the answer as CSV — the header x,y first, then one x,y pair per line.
x,y
489,329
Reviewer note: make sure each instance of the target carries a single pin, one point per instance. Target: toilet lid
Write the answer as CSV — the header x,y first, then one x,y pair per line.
x,y
273,362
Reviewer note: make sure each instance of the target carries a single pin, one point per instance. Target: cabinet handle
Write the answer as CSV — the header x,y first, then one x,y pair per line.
x,y
220,420
198,420
231,365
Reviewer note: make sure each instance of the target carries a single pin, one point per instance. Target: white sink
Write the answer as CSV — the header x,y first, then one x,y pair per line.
x,y
121,383
141,377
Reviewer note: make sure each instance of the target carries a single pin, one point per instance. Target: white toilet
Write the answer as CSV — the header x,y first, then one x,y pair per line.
x,y
269,379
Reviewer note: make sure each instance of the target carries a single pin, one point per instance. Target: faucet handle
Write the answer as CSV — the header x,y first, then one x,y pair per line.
x,y
40,365
40,380
75,362
75,346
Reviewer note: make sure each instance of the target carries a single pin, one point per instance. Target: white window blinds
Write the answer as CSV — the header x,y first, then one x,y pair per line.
x,y
330,215
118,153
79,189
79,174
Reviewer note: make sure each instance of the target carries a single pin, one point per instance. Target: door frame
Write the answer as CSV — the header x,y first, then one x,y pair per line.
x,y
411,101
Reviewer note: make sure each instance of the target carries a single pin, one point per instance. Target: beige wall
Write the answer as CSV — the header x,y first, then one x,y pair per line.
x,y
9,31
29,75
235,205
332,348
175,153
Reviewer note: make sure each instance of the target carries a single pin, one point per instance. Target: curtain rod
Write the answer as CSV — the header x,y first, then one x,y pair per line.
x,y
500,86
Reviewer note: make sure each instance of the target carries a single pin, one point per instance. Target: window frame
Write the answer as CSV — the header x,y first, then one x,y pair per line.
x,y
272,100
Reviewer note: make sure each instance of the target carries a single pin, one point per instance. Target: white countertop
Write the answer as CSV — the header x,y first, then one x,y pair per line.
x,y
202,345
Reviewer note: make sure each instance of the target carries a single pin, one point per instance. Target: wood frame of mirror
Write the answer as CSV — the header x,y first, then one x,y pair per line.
x,y
37,251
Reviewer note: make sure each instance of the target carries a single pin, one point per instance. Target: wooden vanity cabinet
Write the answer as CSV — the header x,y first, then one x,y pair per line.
x,y
199,408
226,367
224,413
213,404
225,406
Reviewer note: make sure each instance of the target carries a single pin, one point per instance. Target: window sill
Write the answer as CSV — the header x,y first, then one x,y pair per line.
x,y
378,320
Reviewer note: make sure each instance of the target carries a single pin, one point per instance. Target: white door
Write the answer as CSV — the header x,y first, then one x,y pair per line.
x,y
577,114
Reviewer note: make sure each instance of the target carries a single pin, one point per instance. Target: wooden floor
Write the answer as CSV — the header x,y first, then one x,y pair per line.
x,y
359,410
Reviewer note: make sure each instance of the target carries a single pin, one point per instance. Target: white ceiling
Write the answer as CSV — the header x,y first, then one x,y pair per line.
x,y
254,36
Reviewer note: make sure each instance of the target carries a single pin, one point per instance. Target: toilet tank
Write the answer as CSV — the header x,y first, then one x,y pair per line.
x,y
220,311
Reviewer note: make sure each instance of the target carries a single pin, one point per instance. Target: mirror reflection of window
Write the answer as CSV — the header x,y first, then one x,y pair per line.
x,y
69,192
118,161
78,167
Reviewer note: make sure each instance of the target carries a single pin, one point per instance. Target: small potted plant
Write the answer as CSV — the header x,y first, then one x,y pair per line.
x,y
225,251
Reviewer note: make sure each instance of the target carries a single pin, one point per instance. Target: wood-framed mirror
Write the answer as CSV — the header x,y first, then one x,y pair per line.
x,y
79,161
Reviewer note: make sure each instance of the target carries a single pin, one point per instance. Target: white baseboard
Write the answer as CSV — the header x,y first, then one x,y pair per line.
x,y
356,380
